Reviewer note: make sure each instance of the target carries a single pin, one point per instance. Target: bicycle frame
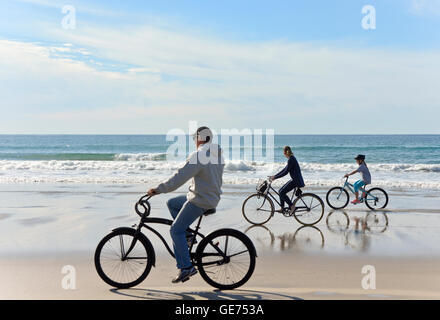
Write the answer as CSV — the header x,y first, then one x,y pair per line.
x,y
168,222
267,193
349,186
143,223
275,199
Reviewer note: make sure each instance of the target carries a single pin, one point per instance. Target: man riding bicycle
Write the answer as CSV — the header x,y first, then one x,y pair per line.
x,y
205,167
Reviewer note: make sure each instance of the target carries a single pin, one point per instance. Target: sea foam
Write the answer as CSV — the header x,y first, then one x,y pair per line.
x,y
138,169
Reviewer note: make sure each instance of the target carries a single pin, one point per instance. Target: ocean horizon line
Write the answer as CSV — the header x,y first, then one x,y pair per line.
x,y
276,134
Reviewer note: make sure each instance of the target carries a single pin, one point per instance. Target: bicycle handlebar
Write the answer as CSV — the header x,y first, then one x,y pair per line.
x,y
146,196
143,202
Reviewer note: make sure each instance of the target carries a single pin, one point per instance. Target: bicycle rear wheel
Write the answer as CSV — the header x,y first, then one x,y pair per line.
x,y
308,209
122,272
226,259
376,198
337,198
257,209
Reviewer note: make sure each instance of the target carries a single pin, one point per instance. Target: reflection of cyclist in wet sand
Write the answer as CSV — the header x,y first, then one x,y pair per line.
x,y
360,222
305,237
358,238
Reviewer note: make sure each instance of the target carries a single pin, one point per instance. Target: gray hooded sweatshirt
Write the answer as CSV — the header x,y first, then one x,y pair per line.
x,y
205,167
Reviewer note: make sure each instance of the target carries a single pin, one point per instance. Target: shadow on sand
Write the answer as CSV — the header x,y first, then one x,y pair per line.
x,y
150,294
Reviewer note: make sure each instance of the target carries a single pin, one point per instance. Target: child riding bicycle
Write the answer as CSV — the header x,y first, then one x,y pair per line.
x,y
366,177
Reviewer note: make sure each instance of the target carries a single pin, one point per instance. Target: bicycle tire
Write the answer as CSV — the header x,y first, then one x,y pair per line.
x,y
201,252
149,258
301,198
343,191
247,216
367,202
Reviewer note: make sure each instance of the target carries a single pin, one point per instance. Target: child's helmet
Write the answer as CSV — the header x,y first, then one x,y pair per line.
x,y
360,157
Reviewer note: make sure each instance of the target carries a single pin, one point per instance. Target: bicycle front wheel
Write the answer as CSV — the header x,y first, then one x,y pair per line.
x,y
226,259
308,209
258,209
376,198
337,198
118,269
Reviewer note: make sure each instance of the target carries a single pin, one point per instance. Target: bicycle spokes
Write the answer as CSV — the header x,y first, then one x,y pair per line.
x,y
376,198
257,209
117,264
308,209
227,261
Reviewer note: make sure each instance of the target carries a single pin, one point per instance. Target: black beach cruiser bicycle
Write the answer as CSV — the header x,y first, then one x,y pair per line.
x,y
224,258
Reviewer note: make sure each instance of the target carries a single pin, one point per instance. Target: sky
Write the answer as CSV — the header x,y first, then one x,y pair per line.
x,y
146,67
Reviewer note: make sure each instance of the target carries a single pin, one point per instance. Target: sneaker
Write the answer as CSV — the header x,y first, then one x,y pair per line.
x,y
184,275
355,201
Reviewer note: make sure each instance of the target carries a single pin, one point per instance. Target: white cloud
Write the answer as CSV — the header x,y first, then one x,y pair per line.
x,y
176,77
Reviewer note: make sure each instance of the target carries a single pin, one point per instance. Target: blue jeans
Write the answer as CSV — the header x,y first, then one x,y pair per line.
x,y
184,214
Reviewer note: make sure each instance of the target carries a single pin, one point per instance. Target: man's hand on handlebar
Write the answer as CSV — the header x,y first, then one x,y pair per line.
x,y
271,178
152,192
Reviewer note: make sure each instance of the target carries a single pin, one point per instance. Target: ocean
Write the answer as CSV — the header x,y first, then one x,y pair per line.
x,y
395,161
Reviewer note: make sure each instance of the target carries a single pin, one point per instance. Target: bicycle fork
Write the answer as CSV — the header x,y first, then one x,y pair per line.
x,y
124,255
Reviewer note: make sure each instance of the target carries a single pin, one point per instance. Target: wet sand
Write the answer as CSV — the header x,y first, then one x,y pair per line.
x,y
277,276
45,227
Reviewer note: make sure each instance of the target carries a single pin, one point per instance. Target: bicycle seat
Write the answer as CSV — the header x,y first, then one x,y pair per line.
x,y
209,211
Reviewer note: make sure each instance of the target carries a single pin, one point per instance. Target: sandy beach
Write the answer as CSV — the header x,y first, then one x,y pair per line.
x,y
46,227
277,276
103,100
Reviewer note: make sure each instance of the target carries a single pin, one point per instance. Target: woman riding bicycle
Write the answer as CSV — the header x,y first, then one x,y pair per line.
x,y
292,168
